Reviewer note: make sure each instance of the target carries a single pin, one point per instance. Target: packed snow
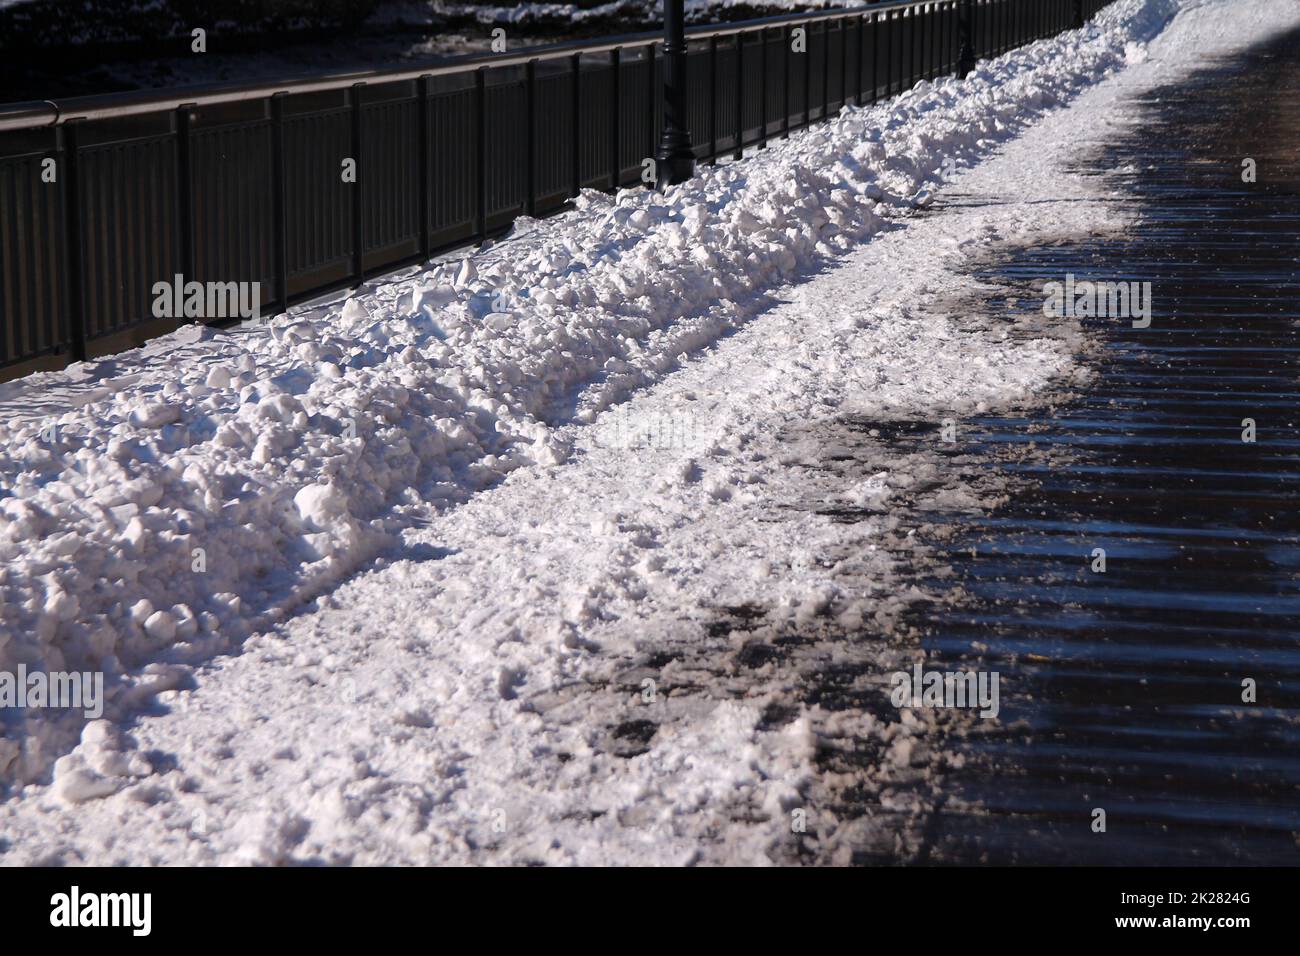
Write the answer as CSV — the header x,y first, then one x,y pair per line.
x,y
564,450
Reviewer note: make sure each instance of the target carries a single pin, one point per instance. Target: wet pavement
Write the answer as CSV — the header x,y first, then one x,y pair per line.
x,y
1122,690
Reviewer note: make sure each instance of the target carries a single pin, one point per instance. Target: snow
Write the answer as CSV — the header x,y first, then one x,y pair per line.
x,y
554,491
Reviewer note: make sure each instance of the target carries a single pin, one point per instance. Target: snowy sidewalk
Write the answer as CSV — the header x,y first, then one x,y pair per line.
x,y
531,674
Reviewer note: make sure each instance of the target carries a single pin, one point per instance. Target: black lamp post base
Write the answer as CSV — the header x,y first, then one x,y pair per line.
x,y
965,63
674,160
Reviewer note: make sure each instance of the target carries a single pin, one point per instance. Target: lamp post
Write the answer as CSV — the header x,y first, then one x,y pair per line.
x,y
675,159
965,30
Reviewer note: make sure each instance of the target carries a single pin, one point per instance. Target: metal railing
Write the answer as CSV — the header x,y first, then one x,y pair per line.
x,y
242,183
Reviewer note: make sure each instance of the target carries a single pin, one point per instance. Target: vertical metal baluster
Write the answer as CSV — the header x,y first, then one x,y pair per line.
x,y
576,104
904,49
885,43
923,43
876,34
713,99
652,101
903,56
358,223
530,118
480,149
918,44
615,159
74,267
941,10
739,151
422,103
844,64
862,46
944,43
909,49
807,73
825,68
762,130
785,89
951,35
279,205
934,19
892,21
184,184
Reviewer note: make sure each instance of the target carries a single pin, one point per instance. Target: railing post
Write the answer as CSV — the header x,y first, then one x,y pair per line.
x,y
965,38
862,28
945,40
650,97
615,164
762,128
480,148
807,72
279,206
675,159
940,37
908,55
74,272
358,223
739,151
844,65
876,34
576,60
787,39
826,69
915,49
713,99
923,68
422,152
530,135
891,21
184,189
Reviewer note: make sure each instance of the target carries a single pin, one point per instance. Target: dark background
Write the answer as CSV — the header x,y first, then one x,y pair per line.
x,y
51,49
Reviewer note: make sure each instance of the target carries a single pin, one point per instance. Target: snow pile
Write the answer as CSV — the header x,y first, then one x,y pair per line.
x,y
170,513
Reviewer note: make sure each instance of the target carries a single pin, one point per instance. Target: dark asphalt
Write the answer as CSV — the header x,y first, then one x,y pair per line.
x,y
1123,690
